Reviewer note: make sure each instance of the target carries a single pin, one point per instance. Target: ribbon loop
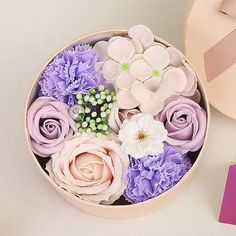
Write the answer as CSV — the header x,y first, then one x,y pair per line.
x,y
229,7
223,54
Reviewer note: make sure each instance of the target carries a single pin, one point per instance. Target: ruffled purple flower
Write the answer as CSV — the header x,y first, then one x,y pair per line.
x,y
71,72
150,176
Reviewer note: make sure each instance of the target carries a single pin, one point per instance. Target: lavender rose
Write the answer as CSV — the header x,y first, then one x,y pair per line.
x,y
150,176
91,168
49,125
185,122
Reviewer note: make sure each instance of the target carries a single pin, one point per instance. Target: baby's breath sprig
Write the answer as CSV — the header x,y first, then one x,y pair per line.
x,y
93,109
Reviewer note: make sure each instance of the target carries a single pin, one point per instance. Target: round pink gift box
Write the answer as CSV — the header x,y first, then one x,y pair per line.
x,y
117,211
210,47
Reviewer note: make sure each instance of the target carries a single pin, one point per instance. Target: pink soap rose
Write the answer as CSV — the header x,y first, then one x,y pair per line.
x,y
49,125
117,116
185,122
91,168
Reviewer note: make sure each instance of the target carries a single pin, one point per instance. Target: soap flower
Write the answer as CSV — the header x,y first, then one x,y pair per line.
x,y
142,135
91,168
151,72
171,84
71,72
116,68
150,176
155,79
49,125
150,67
185,122
118,116
178,60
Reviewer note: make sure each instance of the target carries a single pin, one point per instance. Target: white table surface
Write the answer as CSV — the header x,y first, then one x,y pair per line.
x,y
32,31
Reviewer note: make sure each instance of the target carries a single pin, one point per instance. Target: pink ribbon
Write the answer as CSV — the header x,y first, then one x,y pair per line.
x,y
223,54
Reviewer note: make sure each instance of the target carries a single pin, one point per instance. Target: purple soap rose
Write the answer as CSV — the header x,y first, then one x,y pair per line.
x,y
150,176
72,71
185,122
49,125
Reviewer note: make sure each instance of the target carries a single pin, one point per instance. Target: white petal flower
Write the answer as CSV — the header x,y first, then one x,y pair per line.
x,y
126,100
150,67
143,34
101,48
114,38
116,68
145,73
191,76
110,69
121,50
172,83
142,135
177,59
138,48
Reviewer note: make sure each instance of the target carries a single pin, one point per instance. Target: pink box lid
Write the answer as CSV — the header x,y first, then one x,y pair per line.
x,y
228,207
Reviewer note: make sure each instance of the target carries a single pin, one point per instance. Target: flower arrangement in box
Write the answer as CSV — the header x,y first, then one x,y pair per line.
x,y
117,121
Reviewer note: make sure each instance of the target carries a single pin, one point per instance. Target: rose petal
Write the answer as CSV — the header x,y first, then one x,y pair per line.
x,y
124,80
157,57
110,69
127,114
143,34
140,92
140,70
101,48
121,50
113,121
191,136
126,100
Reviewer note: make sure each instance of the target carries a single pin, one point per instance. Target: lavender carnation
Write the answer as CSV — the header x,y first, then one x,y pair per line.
x,y
150,176
71,72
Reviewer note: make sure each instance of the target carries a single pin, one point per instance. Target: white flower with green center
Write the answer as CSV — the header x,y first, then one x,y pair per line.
x,y
149,69
145,72
121,53
142,135
152,100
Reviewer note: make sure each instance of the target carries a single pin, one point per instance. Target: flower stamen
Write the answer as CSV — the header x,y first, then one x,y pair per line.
x,y
124,66
156,73
142,136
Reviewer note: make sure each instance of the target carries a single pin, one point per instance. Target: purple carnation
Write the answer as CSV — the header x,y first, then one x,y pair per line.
x,y
71,72
150,176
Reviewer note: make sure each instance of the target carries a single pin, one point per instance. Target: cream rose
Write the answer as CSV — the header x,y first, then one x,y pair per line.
x,y
118,116
91,168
